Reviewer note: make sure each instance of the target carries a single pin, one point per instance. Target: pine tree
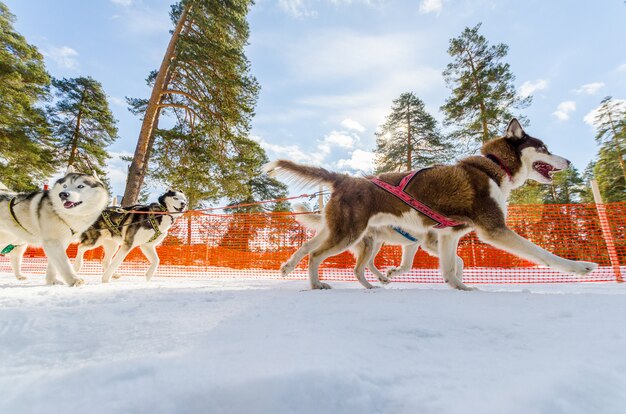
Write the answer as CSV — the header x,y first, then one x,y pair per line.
x,y
26,155
567,188
82,123
607,171
205,74
409,138
610,122
483,95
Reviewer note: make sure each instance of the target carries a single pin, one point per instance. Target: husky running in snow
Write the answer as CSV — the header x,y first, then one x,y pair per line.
x,y
469,195
122,227
51,219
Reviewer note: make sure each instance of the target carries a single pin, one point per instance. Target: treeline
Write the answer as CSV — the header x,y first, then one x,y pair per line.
x,y
46,123
203,85
482,100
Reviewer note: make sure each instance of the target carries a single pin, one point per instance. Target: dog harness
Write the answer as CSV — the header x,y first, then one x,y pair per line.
x,y
155,225
106,216
399,192
14,217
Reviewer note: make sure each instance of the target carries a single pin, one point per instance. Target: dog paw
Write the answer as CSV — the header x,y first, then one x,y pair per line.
x,y
320,285
53,282
391,272
285,269
384,280
116,276
78,282
105,280
582,268
20,277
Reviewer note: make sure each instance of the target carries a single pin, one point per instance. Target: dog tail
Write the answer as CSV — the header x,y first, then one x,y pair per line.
x,y
303,174
311,221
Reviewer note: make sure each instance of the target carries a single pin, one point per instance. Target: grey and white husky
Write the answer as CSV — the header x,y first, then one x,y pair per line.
x,y
126,228
472,194
51,219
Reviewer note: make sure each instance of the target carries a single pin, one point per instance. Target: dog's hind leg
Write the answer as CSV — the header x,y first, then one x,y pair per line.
x,y
449,261
149,250
16,260
372,267
299,254
51,275
110,246
408,254
509,241
116,262
329,248
363,249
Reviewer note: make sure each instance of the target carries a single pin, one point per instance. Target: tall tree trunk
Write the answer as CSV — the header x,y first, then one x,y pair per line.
x,y
409,158
138,168
76,136
483,110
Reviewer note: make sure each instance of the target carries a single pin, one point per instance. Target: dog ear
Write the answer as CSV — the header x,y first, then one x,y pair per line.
x,y
70,170
514,130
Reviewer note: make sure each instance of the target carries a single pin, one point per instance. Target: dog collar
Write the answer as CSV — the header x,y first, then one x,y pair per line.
x,y
501,165
398,191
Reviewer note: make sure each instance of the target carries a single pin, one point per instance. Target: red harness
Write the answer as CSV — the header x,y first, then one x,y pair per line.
x,y
398,191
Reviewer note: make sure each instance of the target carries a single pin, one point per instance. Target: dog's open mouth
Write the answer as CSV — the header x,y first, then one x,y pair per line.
x,y
179,209
545,169
71,204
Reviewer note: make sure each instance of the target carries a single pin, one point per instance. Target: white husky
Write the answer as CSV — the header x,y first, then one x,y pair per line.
x,y
51,219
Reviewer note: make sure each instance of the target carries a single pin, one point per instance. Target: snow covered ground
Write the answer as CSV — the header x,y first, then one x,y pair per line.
x,y
255,346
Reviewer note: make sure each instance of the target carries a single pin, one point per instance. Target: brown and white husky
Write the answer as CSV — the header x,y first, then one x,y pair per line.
x,y
473,193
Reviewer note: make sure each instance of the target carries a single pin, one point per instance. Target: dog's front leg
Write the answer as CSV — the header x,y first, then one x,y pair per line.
x,y
55,251
449,261
364,251
299,254
16,260
508,240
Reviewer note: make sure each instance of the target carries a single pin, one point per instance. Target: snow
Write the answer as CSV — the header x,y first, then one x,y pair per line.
x,y
178,345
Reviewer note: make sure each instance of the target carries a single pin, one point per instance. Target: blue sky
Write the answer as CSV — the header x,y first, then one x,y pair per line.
x,y
329,69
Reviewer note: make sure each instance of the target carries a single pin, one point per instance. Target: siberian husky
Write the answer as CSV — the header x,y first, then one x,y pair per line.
x,y
469,195
51,219
123,227
366,249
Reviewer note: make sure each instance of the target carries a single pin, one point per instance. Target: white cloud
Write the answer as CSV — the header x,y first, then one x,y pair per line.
x,y
359,161
590,118
351,124
431,6
118,101
530,87
590,88
306,8
622,67
63,56
340,54
124,3
291,152
339,139
564,109
296,8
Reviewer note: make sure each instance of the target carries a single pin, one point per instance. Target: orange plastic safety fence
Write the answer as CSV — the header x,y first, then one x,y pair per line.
x,y
256,244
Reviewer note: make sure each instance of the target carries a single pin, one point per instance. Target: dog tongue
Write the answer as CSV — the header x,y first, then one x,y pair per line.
x,y
68,204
